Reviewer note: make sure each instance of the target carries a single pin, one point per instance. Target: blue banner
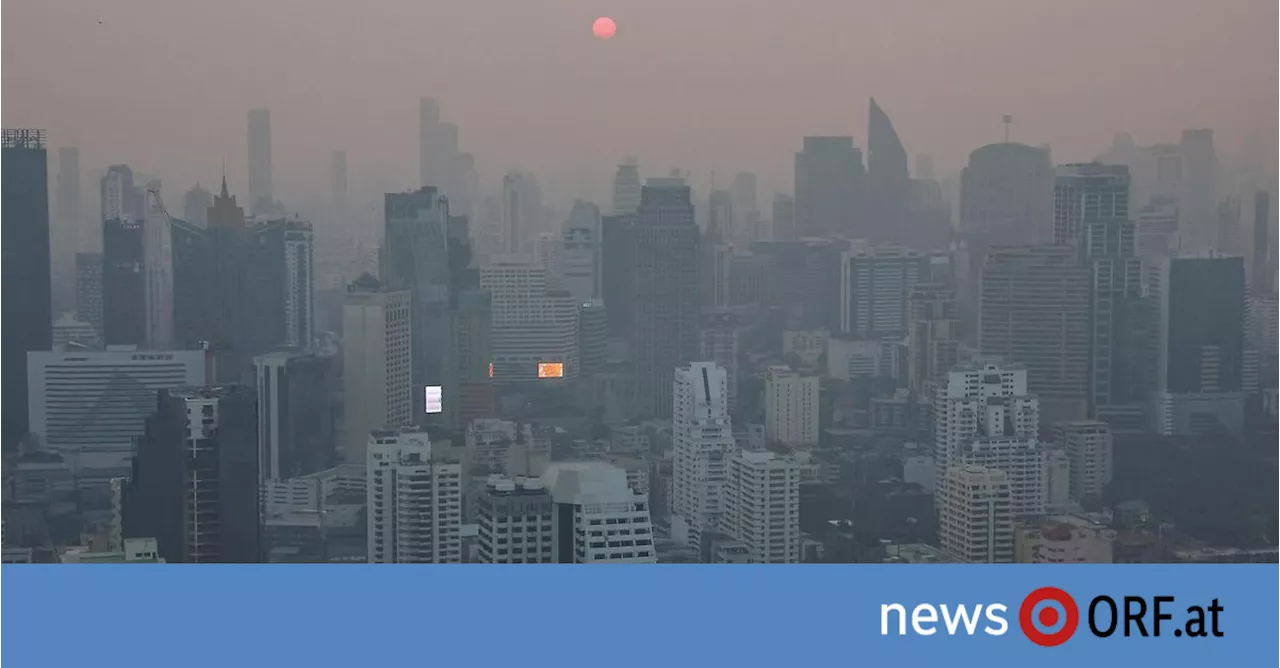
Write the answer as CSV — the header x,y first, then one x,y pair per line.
x,y
652,616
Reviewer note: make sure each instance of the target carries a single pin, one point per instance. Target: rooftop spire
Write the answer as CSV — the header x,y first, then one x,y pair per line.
x,y
224,180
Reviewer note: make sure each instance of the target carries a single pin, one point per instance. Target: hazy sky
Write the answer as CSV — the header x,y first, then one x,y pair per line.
x,y
729,85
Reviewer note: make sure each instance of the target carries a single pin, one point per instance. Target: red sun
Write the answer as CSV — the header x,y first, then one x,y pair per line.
x,y
604,27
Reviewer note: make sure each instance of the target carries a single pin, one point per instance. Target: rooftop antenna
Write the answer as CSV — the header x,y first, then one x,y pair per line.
x,y
1007,120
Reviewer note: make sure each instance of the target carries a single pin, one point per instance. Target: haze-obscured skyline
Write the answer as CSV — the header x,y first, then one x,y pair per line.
x,y
718,84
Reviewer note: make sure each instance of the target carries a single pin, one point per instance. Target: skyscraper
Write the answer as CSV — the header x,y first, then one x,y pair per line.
x,y
157,270
588,497
535,329
1197,203
69,212
1200,354
24,270
1089,448
515,228
89,289
784,217
702,439
980,404
338,187
120,199
195,206
888,180
665,283
626,188
124,288
875,282
932,334
1122,323
617,271
1035,311
515,525
720,219
377,358
261,196
579,256
829,188
299,288
720,343
745,208
415,500
1087,192
1261,276
194,485
297,400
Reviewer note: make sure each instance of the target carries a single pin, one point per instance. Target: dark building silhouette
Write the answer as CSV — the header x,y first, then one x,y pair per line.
x,y
261,196
829,180
1202,306
297,396
888,180
616,268
195,206
665,290
124,290
1121,323
1261,278
195,484
28,320
802,280
89,289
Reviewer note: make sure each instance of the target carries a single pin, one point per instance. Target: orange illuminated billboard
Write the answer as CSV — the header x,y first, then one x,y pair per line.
x,y
550,370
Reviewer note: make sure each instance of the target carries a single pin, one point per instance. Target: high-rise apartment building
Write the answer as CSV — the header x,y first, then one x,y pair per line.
x,y
875,283
24,270
299,285
598,517
1087,192
414,500
975,516
626,188
829,181
720,343
157,270
1089,450
377,357
535,330
593,337
977,400
297,401
665,298
578,259
762,506
1035,311
514,520
702,440
790,407
194,485
91,405
261,196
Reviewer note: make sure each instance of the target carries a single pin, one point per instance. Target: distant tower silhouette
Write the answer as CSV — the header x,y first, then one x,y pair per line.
x,y
1007,120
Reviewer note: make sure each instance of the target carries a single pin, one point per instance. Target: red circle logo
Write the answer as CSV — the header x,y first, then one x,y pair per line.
x,y
1047,616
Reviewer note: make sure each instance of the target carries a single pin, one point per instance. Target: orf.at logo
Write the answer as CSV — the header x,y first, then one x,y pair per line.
x,y
1048,616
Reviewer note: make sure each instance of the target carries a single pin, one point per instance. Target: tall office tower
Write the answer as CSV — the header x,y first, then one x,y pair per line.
x,y
579,253
377,358
720,220
924,166
1121,323
745,207
975,516
194,485
1089,449
157,253
338,187
888,179
720,341
1006,198
626,188
261,196
598,518
1035,311
70,215
1157,230
802,278
535,330
430,170
593,337
716,272
1087,192
89,289
702,439
1262,327
665,282
514,521
971,403
299,286
829,188
1229,238
91,405
415,500
933,345
784,217
875,282
120,199
515,229
1198,198
195,206
762,506
1199,357
1261,276
297,400
471,395
124,287
416,259
790,407
617,267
